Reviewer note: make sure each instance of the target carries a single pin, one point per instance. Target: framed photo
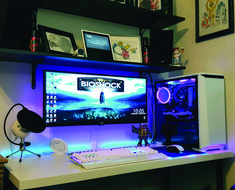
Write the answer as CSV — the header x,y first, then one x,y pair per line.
x,y
150,4
126,48
214,18
57,41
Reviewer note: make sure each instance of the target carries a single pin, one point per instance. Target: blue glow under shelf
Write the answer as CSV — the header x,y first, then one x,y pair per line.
x,y
21,56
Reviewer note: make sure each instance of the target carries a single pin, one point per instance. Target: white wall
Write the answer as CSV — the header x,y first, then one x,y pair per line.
x,y
212,56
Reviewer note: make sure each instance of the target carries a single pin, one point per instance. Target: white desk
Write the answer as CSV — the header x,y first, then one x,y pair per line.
x,y
34,172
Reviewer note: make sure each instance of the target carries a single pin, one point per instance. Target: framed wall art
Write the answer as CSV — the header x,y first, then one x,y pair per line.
x,y
126,48
57,41
214,18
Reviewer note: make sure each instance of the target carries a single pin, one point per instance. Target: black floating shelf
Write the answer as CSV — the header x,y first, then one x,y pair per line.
x,y
113,12
12,55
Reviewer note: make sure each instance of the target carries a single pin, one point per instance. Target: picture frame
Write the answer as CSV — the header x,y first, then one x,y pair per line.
x,y
149,4
126,48
57,41
214,18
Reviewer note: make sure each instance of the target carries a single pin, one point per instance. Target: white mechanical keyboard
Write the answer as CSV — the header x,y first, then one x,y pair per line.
x,y
115,156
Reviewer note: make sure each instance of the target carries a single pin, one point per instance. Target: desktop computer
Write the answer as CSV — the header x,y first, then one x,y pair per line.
x,y
190,111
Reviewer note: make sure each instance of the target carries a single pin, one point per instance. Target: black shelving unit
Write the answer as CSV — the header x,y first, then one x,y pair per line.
x,y
36,58
113,12
102,10
22,56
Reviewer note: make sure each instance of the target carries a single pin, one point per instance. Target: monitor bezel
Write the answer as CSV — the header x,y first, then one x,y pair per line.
x,y
94,122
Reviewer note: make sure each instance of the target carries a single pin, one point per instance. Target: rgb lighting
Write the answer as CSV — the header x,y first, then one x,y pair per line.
x,y
163,95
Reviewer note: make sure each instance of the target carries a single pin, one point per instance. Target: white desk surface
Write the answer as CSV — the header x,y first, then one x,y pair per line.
x,y
48,170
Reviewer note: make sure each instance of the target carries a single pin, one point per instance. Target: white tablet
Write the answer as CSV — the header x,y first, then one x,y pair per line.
x,y
97,45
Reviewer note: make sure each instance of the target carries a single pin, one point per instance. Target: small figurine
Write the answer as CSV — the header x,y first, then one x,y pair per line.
x,y
151,4
143,134
176,55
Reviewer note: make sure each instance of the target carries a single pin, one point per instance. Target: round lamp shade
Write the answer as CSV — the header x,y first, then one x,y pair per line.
x,y
19,131
31,121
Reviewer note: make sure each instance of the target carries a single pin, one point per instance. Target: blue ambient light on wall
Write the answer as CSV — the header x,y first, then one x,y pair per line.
x,y
118,144
79,147
73,60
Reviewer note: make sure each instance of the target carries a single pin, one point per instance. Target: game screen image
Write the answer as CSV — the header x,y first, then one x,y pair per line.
x,y
97,41
80,99
177,111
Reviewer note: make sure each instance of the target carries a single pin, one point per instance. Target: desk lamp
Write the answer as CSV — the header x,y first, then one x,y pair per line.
x,y
27,121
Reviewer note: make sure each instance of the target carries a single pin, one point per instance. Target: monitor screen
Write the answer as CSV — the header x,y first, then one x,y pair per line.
x,y
83,99
177,111
96,41
97,45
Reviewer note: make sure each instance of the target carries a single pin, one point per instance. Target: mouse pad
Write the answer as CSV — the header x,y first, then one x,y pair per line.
x,y
171,154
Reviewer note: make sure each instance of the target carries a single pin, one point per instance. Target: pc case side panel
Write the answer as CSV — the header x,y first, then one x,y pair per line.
x,y
211,98
176,111
216,111
202,113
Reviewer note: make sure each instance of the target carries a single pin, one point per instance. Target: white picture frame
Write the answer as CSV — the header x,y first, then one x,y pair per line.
x,y
126,48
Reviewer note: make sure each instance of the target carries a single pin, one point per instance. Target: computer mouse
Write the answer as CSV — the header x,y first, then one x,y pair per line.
x,y
175,148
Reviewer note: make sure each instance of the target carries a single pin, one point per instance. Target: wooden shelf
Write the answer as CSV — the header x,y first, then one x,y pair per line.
x,y
113,12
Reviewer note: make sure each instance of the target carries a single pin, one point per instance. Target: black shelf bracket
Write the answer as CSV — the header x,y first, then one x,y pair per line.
x,y
33,75
33,72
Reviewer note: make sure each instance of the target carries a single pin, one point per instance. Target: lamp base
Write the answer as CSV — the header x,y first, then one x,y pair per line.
x,y
22,149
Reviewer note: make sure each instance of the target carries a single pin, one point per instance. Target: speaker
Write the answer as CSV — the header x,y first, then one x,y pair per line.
x,y
161,46
17,26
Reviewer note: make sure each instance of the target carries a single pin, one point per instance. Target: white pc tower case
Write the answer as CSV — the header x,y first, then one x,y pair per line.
x,y
190,111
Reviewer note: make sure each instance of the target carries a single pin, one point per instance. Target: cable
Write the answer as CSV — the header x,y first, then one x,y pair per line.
x,y
4,124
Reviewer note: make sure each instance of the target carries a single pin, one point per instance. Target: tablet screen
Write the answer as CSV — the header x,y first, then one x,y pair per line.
x,y
97,45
